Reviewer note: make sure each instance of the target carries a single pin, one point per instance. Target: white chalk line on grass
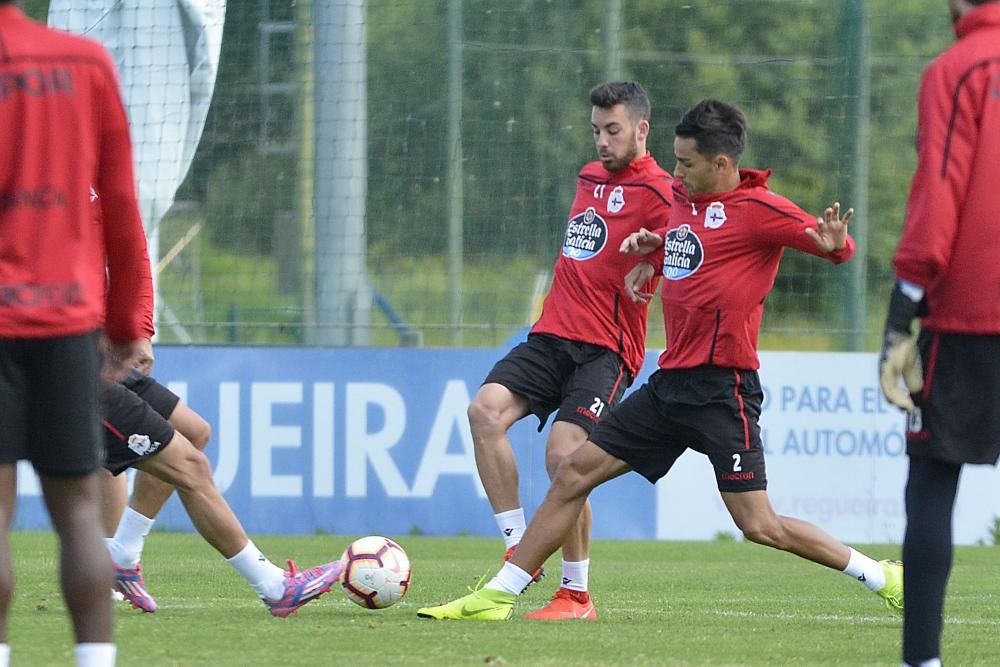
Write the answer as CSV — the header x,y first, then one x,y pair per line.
x,y
631,611
834,618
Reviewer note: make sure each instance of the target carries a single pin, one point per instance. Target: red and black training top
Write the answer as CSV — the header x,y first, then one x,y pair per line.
x,y
587,302
951,238
63,135
721,256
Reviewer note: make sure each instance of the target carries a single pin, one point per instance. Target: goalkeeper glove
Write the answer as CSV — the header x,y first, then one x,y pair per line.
x,y
899,359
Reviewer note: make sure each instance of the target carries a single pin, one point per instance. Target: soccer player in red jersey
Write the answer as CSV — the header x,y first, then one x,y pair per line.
x,y
61,276
948,274
589,342
721,250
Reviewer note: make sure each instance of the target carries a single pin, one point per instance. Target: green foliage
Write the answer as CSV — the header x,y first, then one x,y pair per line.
x,y
527,67
660,603
243,308
994,531
496,290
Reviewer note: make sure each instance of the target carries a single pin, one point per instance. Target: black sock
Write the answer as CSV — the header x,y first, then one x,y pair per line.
x,y
927,555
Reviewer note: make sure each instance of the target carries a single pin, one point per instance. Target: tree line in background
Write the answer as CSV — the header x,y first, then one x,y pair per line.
x,y
527,69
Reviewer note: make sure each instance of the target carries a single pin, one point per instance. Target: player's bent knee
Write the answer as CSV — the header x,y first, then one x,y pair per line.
x,y
553,459
197,469
484,418
192,425
201,434
764,533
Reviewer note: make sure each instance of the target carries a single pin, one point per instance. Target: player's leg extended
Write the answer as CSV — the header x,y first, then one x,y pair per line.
x,y
187,469
150,494
8,495
572,598
755,517
585,469
182,466
130,521
927,551
85,569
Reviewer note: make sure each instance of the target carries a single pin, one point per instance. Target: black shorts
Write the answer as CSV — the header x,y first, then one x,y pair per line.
x,y
582,381
133,429
48,403
958,411
712,410
148,389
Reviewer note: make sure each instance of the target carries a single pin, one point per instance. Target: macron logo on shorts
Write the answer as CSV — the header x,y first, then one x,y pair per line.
x,y
141,444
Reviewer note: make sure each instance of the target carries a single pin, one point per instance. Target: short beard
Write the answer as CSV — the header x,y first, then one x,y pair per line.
x,y
621,165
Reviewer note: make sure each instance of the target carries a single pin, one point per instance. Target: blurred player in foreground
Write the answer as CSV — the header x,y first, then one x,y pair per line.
x,y
588,344
63,129
722,249
148,427
948,273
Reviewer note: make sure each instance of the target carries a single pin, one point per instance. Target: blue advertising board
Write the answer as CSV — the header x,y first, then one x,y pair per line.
x,y
354,441
360,441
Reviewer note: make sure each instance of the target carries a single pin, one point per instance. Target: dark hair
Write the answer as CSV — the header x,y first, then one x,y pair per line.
x,y
717,128
629,93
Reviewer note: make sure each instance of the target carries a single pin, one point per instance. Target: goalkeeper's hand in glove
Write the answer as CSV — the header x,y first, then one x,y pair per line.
x,y
900,359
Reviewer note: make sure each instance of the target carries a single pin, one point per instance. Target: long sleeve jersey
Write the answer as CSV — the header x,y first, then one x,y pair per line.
x,y
721,256
64,135
951,237
587,302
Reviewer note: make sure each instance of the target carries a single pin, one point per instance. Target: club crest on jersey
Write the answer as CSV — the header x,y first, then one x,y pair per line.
x,y
682,253
141,444
715,215
616,201
586,235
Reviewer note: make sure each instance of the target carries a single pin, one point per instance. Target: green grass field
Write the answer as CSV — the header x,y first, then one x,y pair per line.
x,y
660,603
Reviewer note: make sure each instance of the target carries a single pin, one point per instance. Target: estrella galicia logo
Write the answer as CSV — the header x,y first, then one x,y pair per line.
x,y
682,253
586,235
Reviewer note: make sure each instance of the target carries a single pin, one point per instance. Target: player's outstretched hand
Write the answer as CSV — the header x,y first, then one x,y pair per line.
x,y
898,366
831,230
641,242
636,280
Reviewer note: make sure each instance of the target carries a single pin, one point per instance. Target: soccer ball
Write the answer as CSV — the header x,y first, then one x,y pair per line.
x,y
376,572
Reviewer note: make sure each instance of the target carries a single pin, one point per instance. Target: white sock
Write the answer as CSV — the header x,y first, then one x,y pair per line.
x,y
266,578
126,546
511,525
933,662
94,655
575,574
865,570
4,655
510,578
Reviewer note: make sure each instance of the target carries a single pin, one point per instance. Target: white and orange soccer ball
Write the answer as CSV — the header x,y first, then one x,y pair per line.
x,y
376,572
